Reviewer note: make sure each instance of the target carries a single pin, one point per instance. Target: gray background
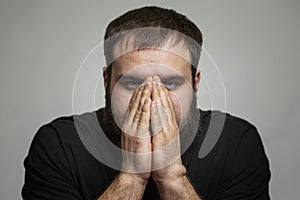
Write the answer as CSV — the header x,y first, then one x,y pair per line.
x,y
254,43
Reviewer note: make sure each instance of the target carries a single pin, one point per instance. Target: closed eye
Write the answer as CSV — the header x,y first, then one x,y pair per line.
x,y
130,84
170,85
173,83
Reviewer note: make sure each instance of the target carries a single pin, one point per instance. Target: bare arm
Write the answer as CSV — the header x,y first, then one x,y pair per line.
x,y
179,189
125,186
169,173
134,139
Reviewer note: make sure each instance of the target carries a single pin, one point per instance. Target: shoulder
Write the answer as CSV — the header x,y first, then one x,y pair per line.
x,y
213,118
225,131
56,154
66,127
63,132
54,131
233,157
57,143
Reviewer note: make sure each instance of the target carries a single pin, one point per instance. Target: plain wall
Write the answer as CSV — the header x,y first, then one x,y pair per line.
x,y
254,43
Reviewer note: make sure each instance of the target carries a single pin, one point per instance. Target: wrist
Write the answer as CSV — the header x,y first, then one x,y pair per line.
x,y
171,177
171,184
133,179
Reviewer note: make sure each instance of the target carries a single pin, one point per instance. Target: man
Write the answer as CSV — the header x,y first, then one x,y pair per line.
x,y
150,116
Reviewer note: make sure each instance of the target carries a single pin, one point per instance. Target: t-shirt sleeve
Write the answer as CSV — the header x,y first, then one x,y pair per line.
x,y
247,171
47,175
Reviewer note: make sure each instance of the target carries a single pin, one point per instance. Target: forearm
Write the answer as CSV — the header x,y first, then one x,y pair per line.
x,y
125,186
179,189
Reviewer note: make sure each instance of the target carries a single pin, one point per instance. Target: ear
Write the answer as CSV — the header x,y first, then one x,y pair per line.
x,y
197,80
105,76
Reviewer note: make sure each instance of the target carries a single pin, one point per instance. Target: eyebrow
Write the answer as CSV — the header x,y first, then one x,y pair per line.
x,y
164,78
128,77
173,77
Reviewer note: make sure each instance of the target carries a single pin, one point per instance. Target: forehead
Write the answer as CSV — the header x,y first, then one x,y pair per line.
x,y
152,61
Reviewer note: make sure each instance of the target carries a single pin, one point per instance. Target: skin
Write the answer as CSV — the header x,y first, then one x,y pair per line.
x,y
151,62
156,108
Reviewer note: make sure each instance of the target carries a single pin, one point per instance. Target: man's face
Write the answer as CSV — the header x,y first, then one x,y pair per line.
x,y
131,69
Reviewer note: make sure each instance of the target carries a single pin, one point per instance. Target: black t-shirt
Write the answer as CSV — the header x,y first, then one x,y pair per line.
x,y
58,166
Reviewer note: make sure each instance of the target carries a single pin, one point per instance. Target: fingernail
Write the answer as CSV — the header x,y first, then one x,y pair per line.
x,y
149,78
156,78
157,85
147,101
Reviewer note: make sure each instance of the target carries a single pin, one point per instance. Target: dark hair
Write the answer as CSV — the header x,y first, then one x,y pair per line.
x,y
166,24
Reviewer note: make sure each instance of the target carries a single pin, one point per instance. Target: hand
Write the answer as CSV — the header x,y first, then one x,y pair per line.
x,y
166,160
135,137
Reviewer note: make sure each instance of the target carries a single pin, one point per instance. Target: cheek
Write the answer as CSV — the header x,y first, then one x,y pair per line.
x,y
119,104
176,106
182,100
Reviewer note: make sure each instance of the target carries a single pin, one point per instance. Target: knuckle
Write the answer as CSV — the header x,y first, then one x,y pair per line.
x,y
161,86
141,122
137,115
141,88
131,105
144,114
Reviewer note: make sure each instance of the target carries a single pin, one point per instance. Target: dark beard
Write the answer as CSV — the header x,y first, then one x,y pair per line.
x,y
111,129
192,122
